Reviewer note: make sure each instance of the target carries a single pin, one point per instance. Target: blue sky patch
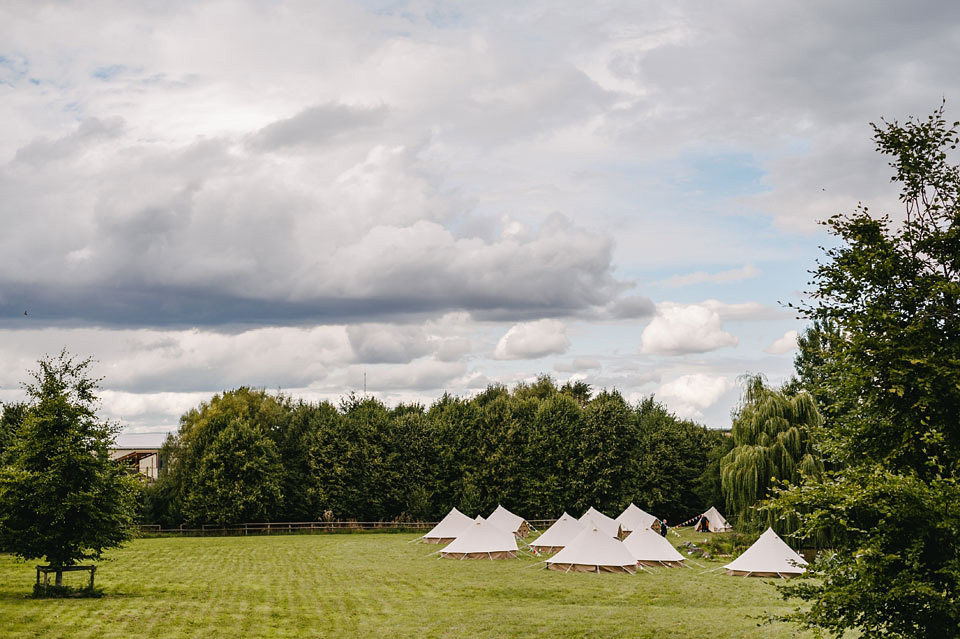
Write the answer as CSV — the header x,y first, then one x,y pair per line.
x,y
725,175
109,72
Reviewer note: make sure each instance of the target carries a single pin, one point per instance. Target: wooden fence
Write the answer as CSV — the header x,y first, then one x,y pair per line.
x,y
299,528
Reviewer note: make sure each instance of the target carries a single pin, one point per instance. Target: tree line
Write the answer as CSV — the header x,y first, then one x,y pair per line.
x,y
249,455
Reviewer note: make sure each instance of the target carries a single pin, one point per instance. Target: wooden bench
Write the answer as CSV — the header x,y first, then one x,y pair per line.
x,y
46,570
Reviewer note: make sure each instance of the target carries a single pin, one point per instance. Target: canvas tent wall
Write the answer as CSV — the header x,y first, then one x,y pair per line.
x,y
715,521
651,549
609,525
593,550
482,540
633,518
503,518
769,556
449,527
557,536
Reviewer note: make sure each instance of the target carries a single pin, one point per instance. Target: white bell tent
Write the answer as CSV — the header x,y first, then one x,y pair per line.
x,y
651,549
715,521
633,519
609,525
593,550
482,540
449,527
503,518
557,536
769,556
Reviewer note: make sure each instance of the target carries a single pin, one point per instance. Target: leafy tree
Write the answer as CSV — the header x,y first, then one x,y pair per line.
x,y
578,390
552,455
894,571
670,456
449,421
350,456
708,488
892,369
543,388
410,464
813,351
303,498
10,420
238,477
536,450
606,446
61,497
772,438
192,496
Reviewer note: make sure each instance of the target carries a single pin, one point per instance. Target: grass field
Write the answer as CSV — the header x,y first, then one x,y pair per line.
x,y
375,585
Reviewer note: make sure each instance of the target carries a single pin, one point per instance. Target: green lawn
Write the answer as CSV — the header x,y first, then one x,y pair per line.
x,y
371,586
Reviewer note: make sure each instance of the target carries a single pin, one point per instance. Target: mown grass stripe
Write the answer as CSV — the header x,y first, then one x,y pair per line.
x,y
365,585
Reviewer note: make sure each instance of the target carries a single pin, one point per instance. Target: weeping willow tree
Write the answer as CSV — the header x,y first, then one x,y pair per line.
x,y
771,434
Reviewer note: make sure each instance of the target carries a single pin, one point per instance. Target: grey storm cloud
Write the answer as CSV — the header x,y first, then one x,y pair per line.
x,y
373,191
317,125
89,132
207,235
377,344
631,307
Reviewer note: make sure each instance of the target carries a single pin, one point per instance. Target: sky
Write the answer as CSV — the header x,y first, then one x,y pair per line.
x,y
430,197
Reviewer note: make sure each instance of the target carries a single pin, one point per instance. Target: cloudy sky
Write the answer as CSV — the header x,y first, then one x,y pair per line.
x,y
436,195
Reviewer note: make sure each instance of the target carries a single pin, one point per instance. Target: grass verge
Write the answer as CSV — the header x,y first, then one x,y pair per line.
x,y
375,585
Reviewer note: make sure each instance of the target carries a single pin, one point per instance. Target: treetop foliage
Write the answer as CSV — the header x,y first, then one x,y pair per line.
x,y
891,297
883,360
538,450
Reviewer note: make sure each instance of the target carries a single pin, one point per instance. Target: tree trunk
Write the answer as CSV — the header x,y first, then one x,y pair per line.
x,y
59,581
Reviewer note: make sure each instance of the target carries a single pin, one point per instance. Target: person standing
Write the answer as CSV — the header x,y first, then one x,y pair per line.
x,y
663,528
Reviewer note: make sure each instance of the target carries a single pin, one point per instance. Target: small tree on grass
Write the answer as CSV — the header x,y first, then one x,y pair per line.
x,y
61,497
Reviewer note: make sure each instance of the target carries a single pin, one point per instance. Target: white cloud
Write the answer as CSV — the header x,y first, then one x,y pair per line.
x,y
401,344
389,185
684,328
317,125
745,311
577,365
689,395
386,343
144,360
530,340
143,413
784,344
420,375
702,277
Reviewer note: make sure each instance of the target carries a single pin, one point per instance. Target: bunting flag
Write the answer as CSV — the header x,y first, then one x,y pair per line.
x,y
687,522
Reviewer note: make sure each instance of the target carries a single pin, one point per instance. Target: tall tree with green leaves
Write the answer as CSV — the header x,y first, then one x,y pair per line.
x,y
772,443
813,351
606,448
11,416
61,496
668,458
892,290
210,475
239,477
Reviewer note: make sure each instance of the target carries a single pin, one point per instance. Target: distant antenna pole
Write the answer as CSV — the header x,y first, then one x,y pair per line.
x,y
364,385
